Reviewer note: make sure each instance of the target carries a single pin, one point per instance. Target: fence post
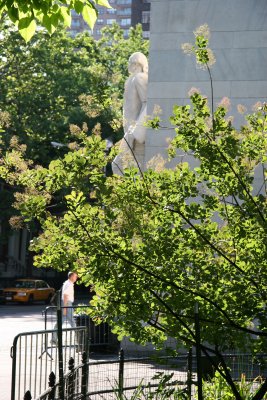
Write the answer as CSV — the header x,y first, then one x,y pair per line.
x,y
87,351
51,384
44,313
27,396
198,354
70,387
60,351
13,355
189,373
121,372
84,375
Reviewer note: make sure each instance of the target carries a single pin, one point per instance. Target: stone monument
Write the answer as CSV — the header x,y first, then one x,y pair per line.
x,y
131,151
239,42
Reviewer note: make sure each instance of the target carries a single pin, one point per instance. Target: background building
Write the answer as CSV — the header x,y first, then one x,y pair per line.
x,y
141,15
125,13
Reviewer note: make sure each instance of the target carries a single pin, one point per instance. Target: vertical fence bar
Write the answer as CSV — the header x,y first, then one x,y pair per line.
x,y
85,345
27,396
19,374
60,349
46,359
121,372
45,317
41,367
84,375
13,355
70,383
189,373
51,384
36,365
198,354
25,362
30,362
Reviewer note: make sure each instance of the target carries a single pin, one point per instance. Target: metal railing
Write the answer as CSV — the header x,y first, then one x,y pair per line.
x,y
99,335
34,357
121,375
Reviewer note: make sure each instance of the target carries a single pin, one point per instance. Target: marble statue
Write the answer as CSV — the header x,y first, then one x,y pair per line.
x,y
134,113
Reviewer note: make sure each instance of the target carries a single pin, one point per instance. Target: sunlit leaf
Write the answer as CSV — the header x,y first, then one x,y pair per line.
x,y
66,14
90,15
27,27
103,3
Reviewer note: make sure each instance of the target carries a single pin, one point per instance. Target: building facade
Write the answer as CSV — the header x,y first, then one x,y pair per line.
x,y
141,15
125,13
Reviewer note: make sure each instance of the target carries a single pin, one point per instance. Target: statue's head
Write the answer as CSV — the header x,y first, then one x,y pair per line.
x,y
137,63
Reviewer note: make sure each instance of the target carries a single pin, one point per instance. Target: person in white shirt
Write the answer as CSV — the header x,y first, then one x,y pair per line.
x,y
67,297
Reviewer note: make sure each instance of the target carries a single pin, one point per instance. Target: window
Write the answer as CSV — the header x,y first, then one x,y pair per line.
x,y
111,11
110,21
75,23
145,17
43,284
146,34
146,1
124,2
100,21
125,22
125,11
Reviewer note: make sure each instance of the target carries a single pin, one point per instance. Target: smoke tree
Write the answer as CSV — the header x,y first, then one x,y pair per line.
x,y
153,244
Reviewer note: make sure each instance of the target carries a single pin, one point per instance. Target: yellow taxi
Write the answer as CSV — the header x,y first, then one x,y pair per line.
x,y
28,291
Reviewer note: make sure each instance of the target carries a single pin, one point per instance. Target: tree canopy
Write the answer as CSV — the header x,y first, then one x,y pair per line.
x,y
58,81
27,15
153,244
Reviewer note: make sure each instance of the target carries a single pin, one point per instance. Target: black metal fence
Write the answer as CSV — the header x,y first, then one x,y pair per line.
x,y
34,357
114,378
73,375
100,335
102,379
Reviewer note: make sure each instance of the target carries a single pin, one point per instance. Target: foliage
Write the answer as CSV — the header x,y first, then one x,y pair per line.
x,y
59,81
165,389
217,388
214,389
27,15
154,244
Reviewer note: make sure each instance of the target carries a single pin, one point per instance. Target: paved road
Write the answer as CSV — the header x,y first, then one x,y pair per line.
x,y
15,319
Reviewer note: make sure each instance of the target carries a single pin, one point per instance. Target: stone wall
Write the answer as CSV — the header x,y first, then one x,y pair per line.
x,y
239,41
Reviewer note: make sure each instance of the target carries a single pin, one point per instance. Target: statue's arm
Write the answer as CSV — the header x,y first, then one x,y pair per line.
x,y
141,81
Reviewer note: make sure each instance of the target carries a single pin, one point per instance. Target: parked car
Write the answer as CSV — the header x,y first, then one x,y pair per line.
x,y
28,291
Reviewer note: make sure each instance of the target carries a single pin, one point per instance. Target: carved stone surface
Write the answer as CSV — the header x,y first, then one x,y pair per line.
x,y
134,113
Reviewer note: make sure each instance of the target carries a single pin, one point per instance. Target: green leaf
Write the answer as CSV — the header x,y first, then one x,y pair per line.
x,y
66,14
13,14
49,24
78,6
54,21
103,3
27,27
90,15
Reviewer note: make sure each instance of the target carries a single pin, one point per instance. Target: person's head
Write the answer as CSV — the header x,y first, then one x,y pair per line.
x,y
73,276
137,63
